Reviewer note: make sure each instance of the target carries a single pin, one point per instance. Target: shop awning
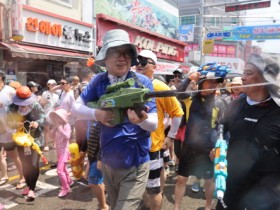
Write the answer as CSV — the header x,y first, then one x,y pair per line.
x,y
24,51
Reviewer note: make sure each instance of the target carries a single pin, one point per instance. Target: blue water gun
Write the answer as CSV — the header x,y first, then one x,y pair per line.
x,y
216,69
220,166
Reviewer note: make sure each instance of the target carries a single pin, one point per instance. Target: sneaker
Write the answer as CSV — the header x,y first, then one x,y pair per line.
x,y
63,192
46,148
25,191
83,181
195,187
30,196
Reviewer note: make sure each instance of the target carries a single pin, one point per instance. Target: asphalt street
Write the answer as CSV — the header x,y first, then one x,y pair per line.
x,y
81,197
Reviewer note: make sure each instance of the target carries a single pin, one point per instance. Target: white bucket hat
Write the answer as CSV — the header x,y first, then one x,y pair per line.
x,y
115,38
270,70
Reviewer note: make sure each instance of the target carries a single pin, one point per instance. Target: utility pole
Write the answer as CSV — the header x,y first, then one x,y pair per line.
x,y
94,50
201,26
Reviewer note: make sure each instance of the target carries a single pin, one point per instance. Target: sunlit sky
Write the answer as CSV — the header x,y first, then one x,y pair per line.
x,y
265,17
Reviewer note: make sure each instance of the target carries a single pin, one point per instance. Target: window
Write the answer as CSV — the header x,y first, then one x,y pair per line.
x,y
67,3
234,21
186,20
214,21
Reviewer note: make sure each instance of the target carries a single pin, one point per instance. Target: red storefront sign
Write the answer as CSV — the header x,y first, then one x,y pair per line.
x,y
222,49
231,50
163,47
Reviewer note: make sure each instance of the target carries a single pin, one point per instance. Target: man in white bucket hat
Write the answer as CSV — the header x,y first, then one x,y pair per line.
x,y
124,147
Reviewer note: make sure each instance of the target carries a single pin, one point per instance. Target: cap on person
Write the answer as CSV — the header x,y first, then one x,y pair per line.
x,y
178,71
148,54
51,82
14,84
115,38
31,84
24,96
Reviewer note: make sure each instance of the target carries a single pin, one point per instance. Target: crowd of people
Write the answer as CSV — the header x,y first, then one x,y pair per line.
x,y
128,160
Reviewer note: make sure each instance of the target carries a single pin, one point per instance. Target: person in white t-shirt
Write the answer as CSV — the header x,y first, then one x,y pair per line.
x,y
6,143
66,97
48,101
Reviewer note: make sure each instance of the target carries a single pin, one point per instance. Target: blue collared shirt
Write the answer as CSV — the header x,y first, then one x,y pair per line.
x,y
125,145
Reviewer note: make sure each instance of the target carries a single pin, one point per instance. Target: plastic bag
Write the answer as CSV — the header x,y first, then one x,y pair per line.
x,y
22,138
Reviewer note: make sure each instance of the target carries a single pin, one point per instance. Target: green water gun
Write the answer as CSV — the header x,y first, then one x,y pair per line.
x,y
122,96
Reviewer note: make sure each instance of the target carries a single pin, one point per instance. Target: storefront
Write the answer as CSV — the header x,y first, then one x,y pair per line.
x,y
170,52
52,46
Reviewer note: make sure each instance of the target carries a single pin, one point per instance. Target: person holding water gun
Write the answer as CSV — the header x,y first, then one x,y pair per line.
x,y
254,146
202,113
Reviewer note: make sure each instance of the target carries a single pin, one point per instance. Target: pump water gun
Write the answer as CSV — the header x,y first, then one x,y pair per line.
x,y
220,166
76,162
122,96
215,69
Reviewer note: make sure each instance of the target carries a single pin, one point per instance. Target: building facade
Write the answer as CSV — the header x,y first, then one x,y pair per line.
x,y
46,39
209,16
151,25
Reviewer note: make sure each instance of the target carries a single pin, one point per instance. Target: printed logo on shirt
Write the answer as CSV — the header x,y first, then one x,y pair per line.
x,y
250,119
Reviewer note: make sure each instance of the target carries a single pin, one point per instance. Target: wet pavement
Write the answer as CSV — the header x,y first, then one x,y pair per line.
x,y
81,197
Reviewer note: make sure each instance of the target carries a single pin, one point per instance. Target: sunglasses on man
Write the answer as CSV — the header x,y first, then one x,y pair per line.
x,y
144,61
63,83
178,75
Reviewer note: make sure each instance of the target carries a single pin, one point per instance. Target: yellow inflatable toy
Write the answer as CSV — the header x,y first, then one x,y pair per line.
x,y
76,162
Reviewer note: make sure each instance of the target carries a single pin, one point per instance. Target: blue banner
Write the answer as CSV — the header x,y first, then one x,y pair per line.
x,y
247,33
186,33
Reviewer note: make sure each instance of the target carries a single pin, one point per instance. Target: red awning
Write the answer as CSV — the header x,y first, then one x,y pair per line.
x,y
24,51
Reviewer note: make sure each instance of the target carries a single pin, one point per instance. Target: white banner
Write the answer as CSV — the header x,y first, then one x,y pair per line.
x,y
235,64
166,68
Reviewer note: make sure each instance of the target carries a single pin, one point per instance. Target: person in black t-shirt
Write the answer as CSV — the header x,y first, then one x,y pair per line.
x,y
254,146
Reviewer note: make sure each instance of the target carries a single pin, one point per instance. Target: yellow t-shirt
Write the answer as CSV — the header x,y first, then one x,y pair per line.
x,y
169,105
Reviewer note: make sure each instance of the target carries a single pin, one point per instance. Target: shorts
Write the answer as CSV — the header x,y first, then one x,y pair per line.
x,y
95,175
9,146
177,148
156,163
197,163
